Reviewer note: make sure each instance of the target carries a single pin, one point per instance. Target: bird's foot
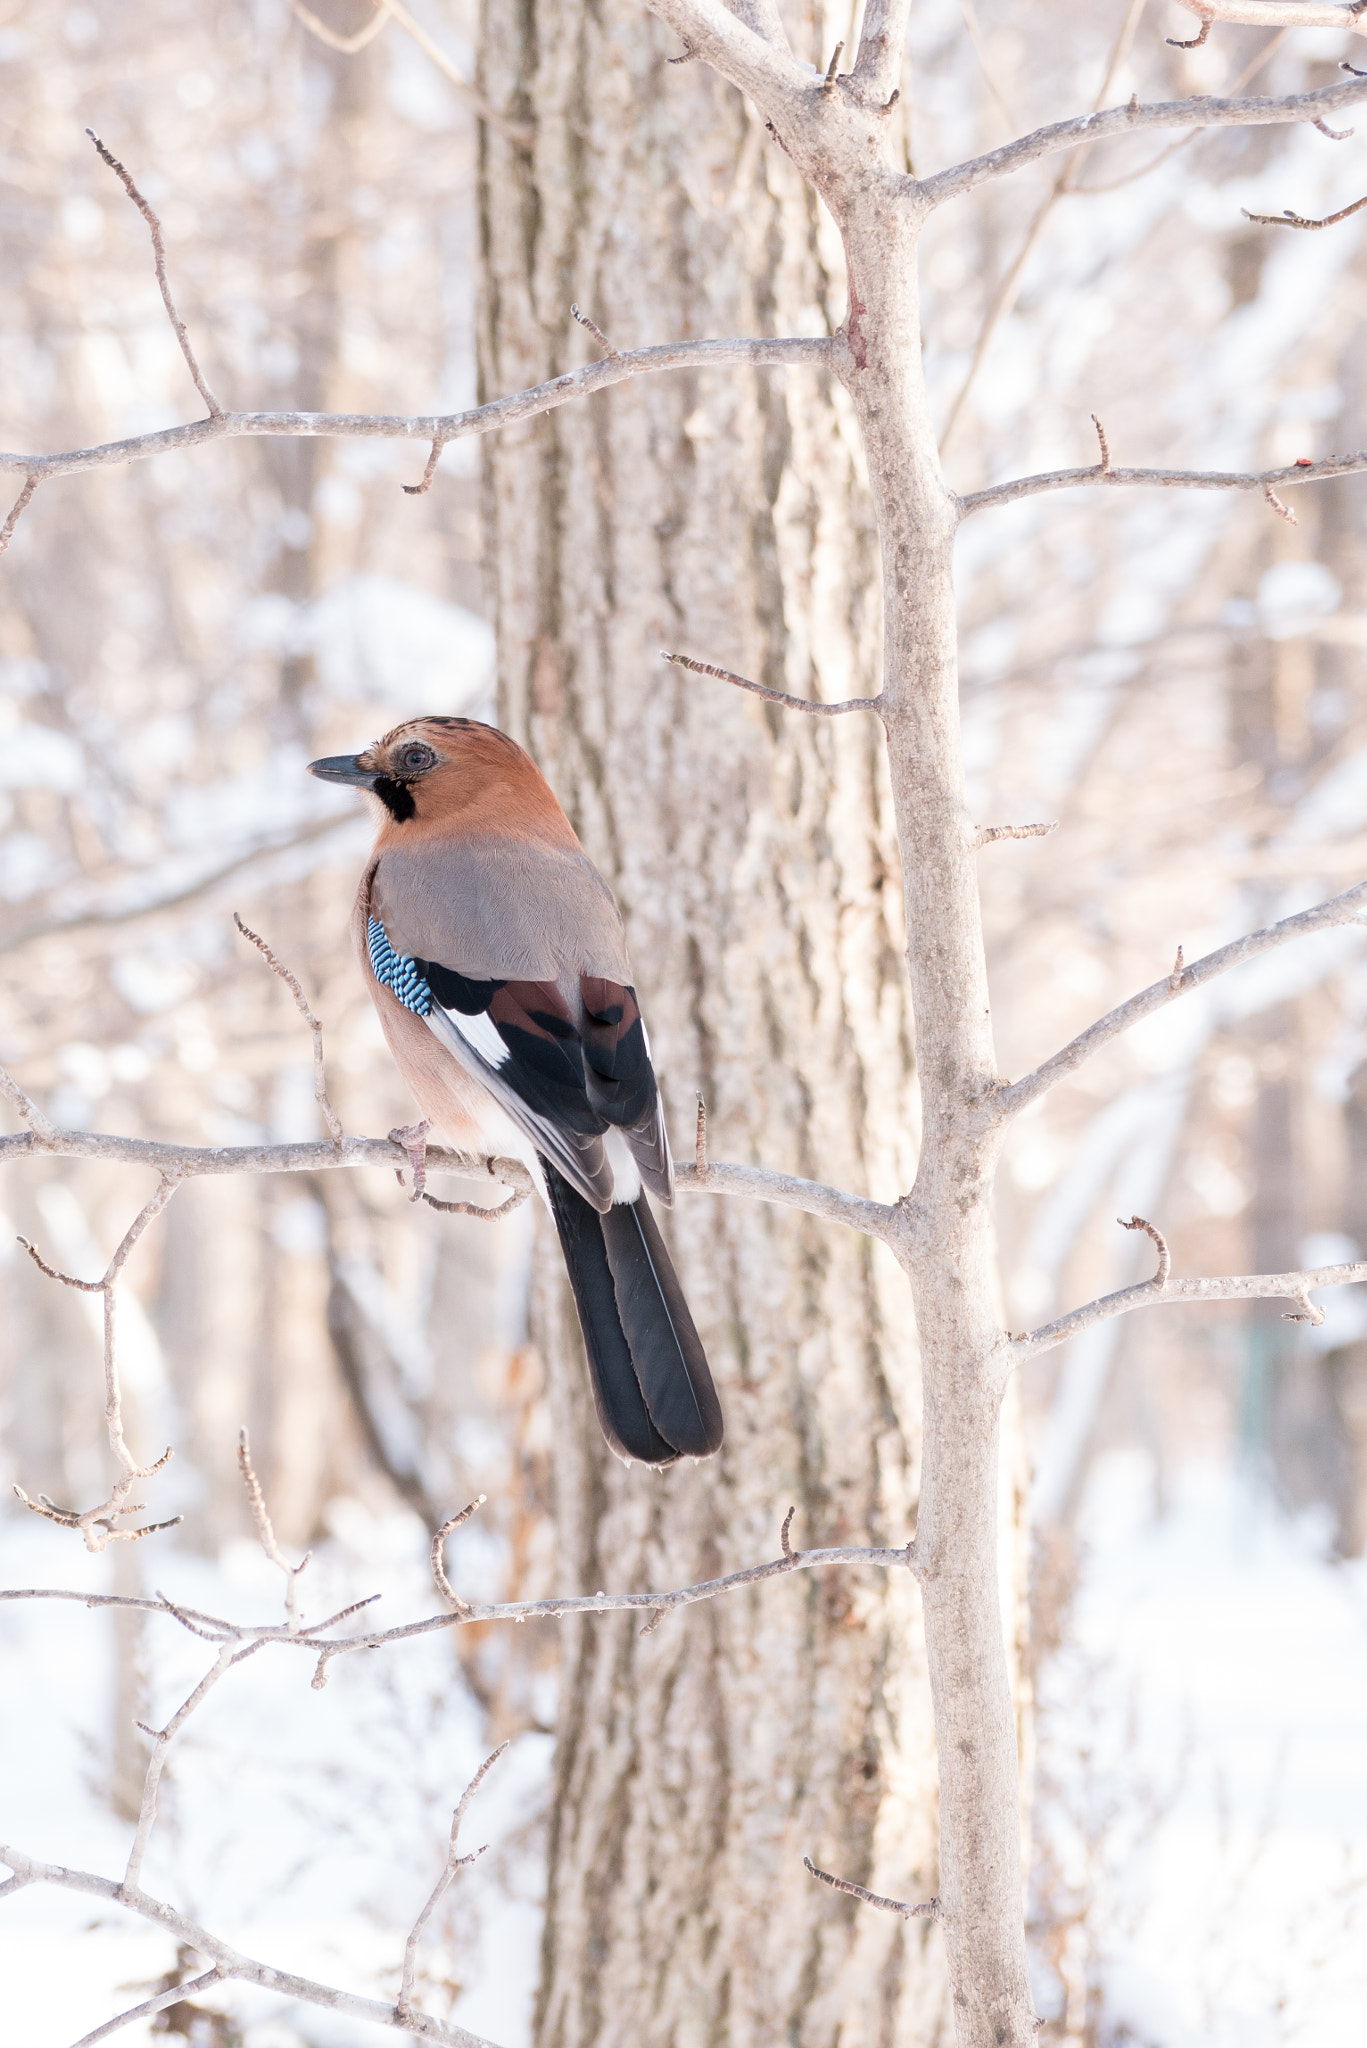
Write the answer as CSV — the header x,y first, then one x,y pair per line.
x,y
413,1138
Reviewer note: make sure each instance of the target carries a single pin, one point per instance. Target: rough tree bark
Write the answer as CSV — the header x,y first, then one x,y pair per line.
x,y
725,514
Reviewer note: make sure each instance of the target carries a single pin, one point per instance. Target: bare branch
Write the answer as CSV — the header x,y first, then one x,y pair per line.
x,y
987,835
749,54
16,512
789,703
1301,472
157,2003
159,257
477,1209
784,1538
1174,1293
1298,220
192,1162
291,981
1200,112
1339,910
882,39
232,1964
453,1863
266,1534
929,1911
815,351
1105,445
700,1141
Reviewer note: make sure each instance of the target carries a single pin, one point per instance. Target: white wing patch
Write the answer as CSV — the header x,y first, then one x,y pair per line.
x,y
481,1035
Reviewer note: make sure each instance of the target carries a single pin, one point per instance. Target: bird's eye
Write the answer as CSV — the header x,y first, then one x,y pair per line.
x,y
416,760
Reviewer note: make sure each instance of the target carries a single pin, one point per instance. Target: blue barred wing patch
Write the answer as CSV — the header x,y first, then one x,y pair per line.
x,y
400,975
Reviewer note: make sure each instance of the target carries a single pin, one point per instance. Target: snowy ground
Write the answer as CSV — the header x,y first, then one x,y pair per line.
x,y
1205,1732
1207,1729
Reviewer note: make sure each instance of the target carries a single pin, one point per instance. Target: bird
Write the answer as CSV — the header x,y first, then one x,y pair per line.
x,y
494,954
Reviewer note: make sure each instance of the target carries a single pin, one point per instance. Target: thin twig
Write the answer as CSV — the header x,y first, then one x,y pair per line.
x,y
1160,1278
790,703
159,256
1196,42
404,2006
1335,134
988,834
700,1140
448,1528
831,67
784,1539
346,46
291,981
29,1111
929,1911
173,1995
596,331
256,1500
1105,445
1298,220
17,510
419,490
98,1525
229,1654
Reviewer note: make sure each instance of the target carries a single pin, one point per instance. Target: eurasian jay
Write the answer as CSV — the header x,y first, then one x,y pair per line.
x,y
494,954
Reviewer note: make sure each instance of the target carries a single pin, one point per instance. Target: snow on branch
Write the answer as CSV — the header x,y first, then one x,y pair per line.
x,y
1348,908
1134,119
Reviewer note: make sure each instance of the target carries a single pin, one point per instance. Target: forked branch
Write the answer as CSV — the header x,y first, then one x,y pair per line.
x,y
1303,471
1168,1292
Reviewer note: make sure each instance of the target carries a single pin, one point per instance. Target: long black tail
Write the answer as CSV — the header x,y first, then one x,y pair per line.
x,y
651,1384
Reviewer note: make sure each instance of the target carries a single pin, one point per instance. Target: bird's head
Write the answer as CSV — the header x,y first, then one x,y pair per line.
x,y
445,773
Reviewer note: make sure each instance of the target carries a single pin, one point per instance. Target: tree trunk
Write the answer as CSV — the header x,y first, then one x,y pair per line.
x,y
725,514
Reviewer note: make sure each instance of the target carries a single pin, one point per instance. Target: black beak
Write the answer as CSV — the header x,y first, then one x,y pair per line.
x,y
344,768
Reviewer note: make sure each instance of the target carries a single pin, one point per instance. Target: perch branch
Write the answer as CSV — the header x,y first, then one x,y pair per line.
x,y
1200,112
454,1863
291,981
783,697
1339,910
929,1911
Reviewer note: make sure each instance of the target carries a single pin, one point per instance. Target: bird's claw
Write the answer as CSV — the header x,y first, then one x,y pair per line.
x,y
413,1138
